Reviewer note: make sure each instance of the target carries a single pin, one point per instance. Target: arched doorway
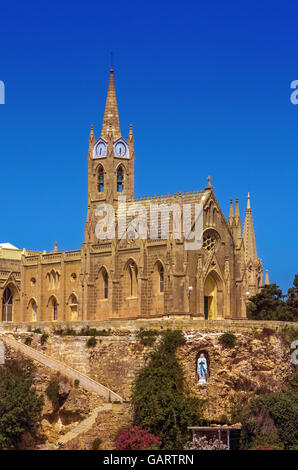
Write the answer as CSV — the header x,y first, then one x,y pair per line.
x,y
7,305
210,298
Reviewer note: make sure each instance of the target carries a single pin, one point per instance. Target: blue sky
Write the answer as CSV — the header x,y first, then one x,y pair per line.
x,y
206,86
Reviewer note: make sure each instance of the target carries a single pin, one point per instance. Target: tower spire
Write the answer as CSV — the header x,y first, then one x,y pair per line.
x,y
266,283
231,213
111,120
249,235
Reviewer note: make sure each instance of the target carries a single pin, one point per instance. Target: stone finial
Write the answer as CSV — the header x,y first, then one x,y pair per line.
x,y
55,247
130,135
266,282
231,213
91,136
248,201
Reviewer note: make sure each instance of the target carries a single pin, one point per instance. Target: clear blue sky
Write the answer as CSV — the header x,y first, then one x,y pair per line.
x,y
206,86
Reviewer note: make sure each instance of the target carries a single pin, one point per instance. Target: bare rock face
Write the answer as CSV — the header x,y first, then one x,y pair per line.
x,y
236,373
64,389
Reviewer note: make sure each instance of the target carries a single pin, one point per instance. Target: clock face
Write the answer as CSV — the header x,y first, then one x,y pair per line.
x,y
101,149
120,149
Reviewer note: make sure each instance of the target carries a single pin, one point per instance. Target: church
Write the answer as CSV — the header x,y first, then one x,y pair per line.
x,y
132,277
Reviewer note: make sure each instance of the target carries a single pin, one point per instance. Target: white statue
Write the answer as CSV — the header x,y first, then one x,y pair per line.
x,y
202,369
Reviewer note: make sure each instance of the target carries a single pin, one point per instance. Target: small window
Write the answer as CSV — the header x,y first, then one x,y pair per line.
x,y
120,178
161,279
106,285
100,182
55,310
34,311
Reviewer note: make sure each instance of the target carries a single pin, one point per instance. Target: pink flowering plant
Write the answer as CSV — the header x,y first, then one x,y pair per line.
x,y
135,438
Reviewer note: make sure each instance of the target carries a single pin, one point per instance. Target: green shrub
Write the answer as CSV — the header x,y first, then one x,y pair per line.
x,y
37,331
228,339
21,407
52,392
91,342
148,337
95,444
76,382
161,400
43,338
271,419
94,332
28,341
290,333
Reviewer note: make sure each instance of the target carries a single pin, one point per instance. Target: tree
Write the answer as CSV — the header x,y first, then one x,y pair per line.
x,y
20,406
162,403
292,300
269,304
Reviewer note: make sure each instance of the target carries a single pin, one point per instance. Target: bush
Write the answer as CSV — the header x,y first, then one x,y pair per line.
x,y
76,382
290,333
43,338
162,403
94,332
37,331
91,342
95,444
66,332
52,392
135,438
228,340
20,405
270,419
148,337
28,341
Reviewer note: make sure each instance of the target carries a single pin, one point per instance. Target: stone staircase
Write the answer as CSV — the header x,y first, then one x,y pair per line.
x,y
73,374
84,425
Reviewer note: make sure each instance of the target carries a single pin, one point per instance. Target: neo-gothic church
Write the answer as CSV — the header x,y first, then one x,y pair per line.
x,y
132,277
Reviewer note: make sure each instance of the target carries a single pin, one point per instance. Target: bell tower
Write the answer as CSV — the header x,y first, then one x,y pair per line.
x,y
110,162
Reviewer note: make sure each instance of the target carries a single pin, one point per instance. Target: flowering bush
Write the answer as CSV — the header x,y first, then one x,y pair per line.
x,y
263,447
135,438
202,443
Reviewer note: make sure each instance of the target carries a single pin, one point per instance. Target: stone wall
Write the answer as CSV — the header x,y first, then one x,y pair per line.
x,y
259,360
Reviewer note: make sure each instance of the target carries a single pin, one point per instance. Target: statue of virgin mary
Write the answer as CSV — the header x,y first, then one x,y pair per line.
x,y
202,369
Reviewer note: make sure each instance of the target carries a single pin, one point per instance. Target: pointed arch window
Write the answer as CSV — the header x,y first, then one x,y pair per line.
x,y
7,303
120,178
158,278
55,310
34,310
131,282
100,180
161,279
105,285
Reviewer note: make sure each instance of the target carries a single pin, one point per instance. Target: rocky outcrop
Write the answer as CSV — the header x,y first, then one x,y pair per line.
x,y
257,363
